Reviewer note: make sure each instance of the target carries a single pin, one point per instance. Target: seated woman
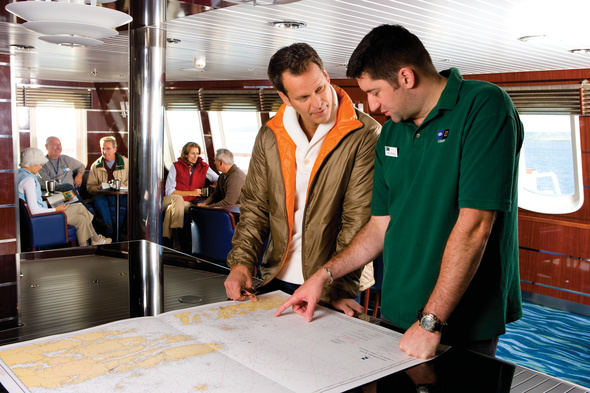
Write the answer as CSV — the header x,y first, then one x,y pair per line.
x,y
29,189
183,186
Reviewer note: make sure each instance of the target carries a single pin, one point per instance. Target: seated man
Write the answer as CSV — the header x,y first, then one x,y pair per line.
x,y
65,170
29,190
110,166
229,185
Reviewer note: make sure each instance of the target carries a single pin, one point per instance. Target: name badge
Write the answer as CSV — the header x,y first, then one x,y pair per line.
x,y
391,151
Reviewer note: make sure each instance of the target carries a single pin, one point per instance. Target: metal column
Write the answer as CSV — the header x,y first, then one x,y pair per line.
x,y
147,56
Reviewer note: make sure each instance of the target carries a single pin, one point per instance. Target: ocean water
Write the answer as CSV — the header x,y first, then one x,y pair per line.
x,y
551,156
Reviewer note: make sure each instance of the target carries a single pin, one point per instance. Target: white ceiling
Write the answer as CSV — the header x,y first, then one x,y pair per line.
x,y
476,36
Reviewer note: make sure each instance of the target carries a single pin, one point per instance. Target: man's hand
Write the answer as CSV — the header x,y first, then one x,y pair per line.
x,y
61,208
78,180
306,296
348,306
419,342
238,278
202,204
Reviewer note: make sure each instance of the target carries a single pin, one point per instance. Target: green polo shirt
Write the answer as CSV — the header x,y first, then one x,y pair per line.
x,y
465,154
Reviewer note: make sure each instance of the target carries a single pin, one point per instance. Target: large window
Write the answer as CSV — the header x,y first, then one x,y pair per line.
x,y
235,131
550,179
68,124
181,127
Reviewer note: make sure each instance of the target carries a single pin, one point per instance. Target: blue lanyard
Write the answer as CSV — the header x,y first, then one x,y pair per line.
x,y
54,168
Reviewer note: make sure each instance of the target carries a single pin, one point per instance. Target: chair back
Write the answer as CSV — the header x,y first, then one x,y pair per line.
x,y
43,230
216,228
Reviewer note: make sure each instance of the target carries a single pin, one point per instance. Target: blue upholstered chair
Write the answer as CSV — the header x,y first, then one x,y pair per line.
x,y
44,230
215,227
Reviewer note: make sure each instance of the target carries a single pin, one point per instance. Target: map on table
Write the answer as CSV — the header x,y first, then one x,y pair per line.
x,y
222,347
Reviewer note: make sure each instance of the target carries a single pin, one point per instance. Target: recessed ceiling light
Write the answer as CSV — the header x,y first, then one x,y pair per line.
x,y
288,24
531,37
22,47
585,51
173,41
447,60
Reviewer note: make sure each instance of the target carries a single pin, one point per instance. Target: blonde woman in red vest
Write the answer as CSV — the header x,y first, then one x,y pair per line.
x,y
185,180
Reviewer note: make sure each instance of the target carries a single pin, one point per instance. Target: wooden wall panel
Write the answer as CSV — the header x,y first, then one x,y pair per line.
x,y
6,116
7,268
7,189
8,306
106,121
8,248
7,200
7,156
8,222
558,271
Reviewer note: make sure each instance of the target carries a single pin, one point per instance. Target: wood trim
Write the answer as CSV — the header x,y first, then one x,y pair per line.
x,y
554,221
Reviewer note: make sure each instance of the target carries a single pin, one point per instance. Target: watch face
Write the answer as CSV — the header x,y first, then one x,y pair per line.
x,y
428,322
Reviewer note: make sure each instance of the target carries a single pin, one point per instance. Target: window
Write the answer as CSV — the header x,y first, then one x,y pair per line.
x,y
550,179
68,124
235,131
182,126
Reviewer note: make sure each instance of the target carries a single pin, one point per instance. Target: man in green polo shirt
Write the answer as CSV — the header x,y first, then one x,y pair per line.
x,y
444,207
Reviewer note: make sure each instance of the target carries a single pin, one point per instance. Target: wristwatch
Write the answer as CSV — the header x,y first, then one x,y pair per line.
x,y
430,322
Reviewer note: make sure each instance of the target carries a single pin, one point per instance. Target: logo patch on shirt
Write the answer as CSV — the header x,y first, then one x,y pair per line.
x,y
441,135
390,151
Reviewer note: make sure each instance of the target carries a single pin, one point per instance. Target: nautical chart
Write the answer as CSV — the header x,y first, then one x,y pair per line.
x,y
222,347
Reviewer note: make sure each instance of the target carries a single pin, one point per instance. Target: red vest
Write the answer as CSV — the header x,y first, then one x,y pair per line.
x,y
187,182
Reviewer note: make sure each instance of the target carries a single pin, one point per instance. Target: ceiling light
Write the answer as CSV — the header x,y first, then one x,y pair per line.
x,y
173,40
70,24
22,47
199,62
585,51
531,37
286,24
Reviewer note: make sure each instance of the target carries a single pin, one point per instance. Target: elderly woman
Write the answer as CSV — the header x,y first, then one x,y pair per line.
x,y
29,189
183,186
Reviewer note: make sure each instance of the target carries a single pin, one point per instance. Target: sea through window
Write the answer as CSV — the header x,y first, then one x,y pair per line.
x,y
550,179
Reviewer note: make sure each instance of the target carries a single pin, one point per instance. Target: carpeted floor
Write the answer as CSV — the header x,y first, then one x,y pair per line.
x,y
550,341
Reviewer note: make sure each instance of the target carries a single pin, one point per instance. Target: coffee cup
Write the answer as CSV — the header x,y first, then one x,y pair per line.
x,y
116,184
205,191
50,186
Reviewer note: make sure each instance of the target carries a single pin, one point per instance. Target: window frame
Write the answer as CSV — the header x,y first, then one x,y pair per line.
x,y
555,204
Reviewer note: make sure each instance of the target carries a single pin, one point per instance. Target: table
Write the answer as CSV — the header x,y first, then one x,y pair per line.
x,y
117,194
70,289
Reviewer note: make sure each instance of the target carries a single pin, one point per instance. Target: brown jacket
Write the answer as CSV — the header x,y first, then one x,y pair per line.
x,y
338,198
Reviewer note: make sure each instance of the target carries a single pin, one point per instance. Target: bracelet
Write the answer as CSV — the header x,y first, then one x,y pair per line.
x,y
329,274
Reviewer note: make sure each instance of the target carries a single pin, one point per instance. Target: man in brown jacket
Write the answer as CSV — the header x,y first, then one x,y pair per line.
x,y
229,184
308,188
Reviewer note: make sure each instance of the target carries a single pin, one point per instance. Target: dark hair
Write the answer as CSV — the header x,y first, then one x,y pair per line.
x,y
294,59
186,149
387,49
